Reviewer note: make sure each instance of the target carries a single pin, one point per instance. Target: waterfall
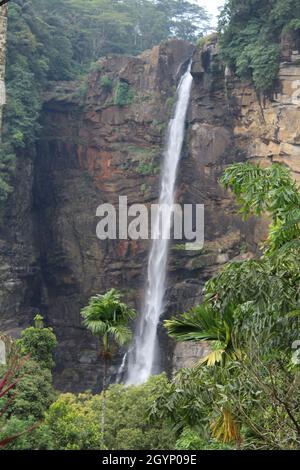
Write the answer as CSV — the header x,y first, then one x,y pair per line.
x,y
121,369
142,355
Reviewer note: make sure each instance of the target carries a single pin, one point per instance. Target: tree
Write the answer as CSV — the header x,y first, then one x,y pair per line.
x,y
34,393
59,40
73,419
33,387
204,323
73,423
191,440
264,390
8,384
28,435
26,390
250,35
267,190
107,318
39,343
252,397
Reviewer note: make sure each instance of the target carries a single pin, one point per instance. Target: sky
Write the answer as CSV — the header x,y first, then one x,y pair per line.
x,y
212,7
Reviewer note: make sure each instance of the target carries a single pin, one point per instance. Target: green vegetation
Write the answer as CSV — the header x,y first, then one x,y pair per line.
x,y
38,50
272,191
7,169
39,343
81,91
26,390
127,425
245,392
147,160
159,125
243,395
123,94
204,40
106,83
62,40
144,188
34,393
251,31
146,168
36,418
170,102
107,318
204,323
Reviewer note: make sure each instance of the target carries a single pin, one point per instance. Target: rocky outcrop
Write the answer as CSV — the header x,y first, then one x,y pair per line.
x,y
271,131
104,139
230,122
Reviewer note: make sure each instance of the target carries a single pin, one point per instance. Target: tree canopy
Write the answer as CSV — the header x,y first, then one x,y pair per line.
x,y
250,35
250,317
59,40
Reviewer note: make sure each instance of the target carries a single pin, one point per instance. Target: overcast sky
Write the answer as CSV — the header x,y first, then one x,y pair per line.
x,y
212,6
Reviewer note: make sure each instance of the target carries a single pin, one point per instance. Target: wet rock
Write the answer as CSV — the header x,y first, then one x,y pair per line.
x,y
91,152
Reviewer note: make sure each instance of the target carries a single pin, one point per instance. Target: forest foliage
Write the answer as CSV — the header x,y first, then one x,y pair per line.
x,y
243,395
33,415
246,391
60,39
250,37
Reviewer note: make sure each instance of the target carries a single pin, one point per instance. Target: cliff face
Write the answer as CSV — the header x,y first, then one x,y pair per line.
x,y
92,151
3,31
271,132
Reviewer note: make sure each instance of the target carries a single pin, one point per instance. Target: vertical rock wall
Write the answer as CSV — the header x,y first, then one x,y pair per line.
x,y
3,29
92,151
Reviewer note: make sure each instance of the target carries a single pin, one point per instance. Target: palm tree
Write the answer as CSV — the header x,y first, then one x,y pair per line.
x,y
204,323
107,318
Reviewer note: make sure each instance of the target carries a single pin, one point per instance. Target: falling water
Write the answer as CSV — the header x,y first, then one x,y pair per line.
x,y
142,356
121,368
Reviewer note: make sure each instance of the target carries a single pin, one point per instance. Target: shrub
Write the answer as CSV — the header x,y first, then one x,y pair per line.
x,y
30,436
95,67
34,392
106,83
250,35
190,439
148,168
123,94
74,423
75,420
39,342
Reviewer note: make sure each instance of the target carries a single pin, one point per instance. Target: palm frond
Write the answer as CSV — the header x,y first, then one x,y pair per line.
x,y
107,315
225,428
96,327
202,323
122,334
213,358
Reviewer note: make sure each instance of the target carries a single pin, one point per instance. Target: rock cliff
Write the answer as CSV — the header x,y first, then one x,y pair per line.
x,y
3,32
103,140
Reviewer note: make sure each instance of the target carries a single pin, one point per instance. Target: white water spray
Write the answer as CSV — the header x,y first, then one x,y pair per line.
x,y
142,356
121,368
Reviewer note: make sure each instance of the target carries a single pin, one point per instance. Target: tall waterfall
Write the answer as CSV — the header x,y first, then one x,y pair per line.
x,y
142,355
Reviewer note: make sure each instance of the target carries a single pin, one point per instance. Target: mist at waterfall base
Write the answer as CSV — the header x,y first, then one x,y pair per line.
x,y
141,356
